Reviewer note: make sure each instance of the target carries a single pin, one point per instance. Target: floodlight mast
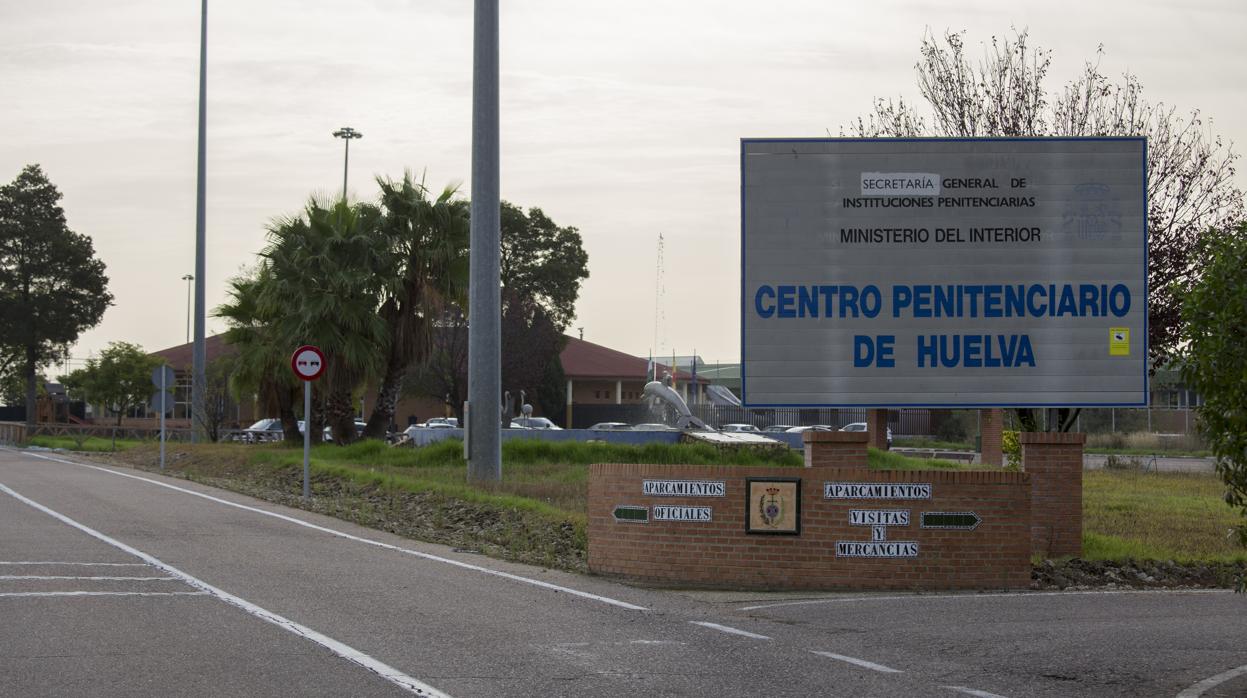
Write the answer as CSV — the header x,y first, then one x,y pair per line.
x,y
484,437
346,133
199,351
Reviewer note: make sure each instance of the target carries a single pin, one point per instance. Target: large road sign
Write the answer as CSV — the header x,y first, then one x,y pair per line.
x,y
944,272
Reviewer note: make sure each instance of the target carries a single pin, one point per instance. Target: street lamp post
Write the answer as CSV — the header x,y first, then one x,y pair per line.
x,y
188,278
346,133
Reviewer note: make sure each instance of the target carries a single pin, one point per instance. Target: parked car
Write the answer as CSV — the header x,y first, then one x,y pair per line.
x,y
811,427
740,427
262,431
777,427
653,427
611,426
861,426
441,423
327,434
533,423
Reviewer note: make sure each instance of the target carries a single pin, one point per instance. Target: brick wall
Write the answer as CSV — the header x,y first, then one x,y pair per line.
x,y
877,428
845,449
1054,461
719,553
991,434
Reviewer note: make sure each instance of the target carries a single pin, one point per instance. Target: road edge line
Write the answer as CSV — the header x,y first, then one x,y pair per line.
x,y
358,539
343,650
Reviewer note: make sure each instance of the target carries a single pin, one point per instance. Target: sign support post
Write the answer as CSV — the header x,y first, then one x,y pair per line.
x,y
163,397
163,378
308,363
307,439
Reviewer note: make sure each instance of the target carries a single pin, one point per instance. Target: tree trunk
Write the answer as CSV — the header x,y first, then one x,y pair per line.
x,y
32,407
387,399
284,397
340,415
1026,416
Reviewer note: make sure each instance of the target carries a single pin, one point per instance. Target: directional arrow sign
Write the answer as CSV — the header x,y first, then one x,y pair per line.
x,y
957,520
631,514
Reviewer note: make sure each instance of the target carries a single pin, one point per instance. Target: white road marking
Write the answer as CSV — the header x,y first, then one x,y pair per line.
x,y
1198,689
348,536
113,579
84,564
726,629
103,593
347,652
973,692
1016,594
859,662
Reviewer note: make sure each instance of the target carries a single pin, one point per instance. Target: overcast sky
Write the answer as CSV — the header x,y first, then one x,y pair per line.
x,y
621,119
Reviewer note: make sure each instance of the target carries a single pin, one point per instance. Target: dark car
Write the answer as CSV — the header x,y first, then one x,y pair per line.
x,y
262,431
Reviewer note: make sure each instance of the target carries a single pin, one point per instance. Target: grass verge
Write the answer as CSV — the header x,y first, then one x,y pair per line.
x,y
1157,516
934,444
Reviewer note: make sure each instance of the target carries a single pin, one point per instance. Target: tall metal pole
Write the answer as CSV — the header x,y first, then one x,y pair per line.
x,y
484,323
346,133
198,360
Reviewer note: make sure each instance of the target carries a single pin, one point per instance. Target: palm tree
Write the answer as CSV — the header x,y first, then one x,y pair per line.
x,y
262,368
328,269
428,239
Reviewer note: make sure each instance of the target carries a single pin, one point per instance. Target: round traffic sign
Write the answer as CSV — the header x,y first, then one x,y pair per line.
x,y
308,362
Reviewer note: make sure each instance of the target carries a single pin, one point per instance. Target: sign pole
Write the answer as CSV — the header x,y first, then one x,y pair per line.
x,y
308,363
307,438
163,388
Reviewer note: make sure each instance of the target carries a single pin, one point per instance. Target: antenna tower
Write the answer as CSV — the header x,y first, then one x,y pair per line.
x,y
660,314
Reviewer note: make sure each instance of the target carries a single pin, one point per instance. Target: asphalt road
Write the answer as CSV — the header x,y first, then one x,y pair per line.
x,y
115,582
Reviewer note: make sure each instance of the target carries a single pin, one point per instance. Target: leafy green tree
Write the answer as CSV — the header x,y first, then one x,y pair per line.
x,y
52,286
1214,357
1190,171
542,266
428,237
13,386
262,364
327,271
120,379
542,261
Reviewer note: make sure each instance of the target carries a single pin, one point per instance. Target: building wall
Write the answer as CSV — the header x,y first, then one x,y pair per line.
x,y
602,392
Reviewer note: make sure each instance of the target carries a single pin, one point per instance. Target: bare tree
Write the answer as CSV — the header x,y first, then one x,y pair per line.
x,y
1190,171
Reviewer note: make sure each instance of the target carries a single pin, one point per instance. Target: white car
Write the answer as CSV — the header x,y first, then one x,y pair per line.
x,y
533,423
741,427
611,426
441,423
812,427
861,426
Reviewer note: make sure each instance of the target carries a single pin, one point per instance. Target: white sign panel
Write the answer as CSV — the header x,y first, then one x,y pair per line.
x,y
944,272
876,490
664,512
878,517
684,488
